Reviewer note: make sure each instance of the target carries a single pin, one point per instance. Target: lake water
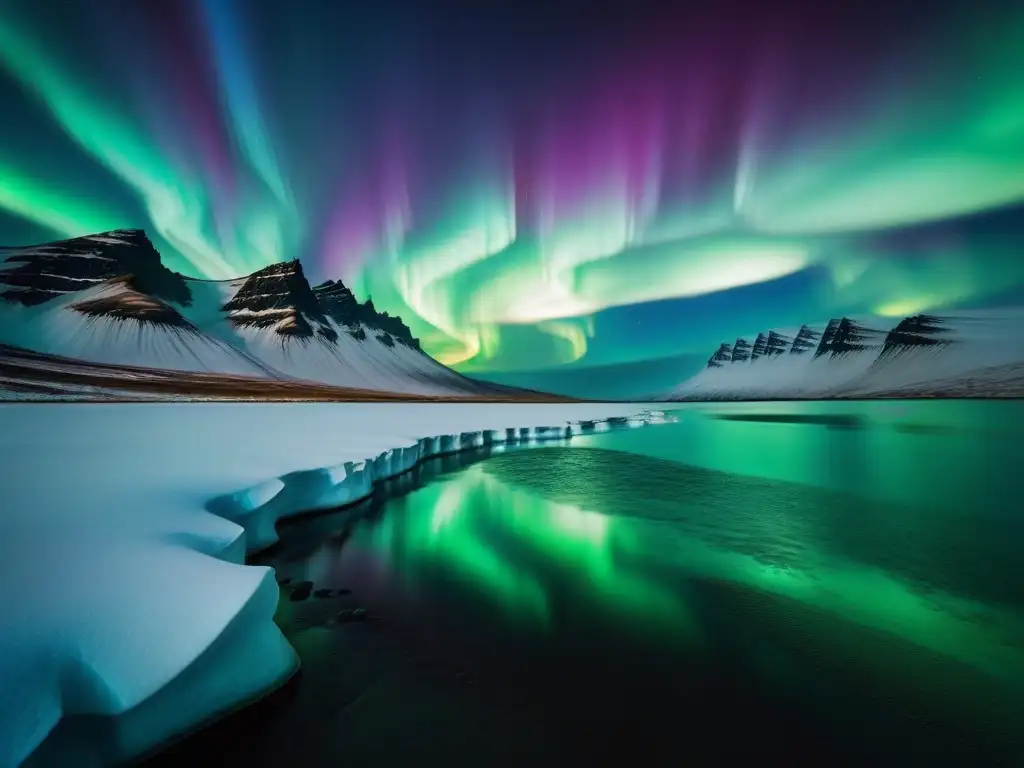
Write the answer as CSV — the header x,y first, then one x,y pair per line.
x,y
815,583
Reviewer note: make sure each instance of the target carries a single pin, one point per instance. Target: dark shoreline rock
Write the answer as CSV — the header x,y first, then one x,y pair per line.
x,y
302,591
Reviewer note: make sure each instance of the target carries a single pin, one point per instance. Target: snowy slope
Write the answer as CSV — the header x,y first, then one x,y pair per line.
x,y
115,324
347,362
920,356
274,316
108,299
125,597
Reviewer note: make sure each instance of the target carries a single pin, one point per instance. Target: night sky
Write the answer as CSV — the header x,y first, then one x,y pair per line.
x,y
580,196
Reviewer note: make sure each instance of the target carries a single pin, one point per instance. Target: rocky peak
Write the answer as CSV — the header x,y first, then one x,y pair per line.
x,y
338,302
845,335
35,274
279,296
722,355
839,337
341,305
392,326
760,345
776,344
806,340
826,338
916,331
741,351
765,345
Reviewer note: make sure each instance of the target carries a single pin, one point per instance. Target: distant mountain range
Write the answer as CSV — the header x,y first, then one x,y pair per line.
x,y
101,317
977,354
108,300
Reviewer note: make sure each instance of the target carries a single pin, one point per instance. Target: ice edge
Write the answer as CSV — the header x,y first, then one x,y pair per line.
x,y
258,508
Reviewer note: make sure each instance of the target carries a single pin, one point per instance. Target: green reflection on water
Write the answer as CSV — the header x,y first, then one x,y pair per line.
x,y
513,546
946,454
586,549
911,530
445,535
886,540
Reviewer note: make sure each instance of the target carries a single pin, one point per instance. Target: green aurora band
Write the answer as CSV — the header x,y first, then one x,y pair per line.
x,y
639,212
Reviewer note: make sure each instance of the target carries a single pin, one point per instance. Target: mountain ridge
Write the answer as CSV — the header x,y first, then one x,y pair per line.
x,y
130,256
108,298
72,264
921,355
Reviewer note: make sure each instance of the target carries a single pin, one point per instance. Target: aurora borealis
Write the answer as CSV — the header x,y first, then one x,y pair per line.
x,y
546,196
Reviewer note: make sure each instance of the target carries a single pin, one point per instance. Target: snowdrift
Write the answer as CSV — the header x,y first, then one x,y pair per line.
x,y
127,599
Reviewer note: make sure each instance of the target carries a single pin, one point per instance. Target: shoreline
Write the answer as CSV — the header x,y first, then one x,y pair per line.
x,y
486,442
158,754
258,508
255,509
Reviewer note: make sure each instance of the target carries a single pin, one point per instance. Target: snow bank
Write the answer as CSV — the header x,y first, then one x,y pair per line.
x,y
126,598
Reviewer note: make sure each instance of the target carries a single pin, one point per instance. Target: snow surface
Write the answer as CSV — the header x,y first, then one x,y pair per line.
x,y
125,592
366,364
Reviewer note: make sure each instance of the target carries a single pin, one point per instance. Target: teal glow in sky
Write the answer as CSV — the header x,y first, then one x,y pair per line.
x,y
544,196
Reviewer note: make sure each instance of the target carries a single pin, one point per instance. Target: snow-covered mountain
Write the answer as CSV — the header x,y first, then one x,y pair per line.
x,y
962,354
108,298
341,305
